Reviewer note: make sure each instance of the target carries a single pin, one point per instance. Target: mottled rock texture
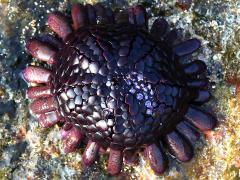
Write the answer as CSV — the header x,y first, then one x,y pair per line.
x,y
28,151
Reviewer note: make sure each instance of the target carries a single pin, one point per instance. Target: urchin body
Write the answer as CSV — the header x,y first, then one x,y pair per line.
x,y
120,88
117,85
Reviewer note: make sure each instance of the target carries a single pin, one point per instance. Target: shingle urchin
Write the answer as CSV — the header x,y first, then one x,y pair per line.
x,y
121,87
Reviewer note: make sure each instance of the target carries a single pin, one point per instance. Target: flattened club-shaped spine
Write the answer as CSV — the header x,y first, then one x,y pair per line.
x,y
156,158
71,137
48,119
38,92
59,24
41,51
179,146
200,119
33,74
90,153
115,161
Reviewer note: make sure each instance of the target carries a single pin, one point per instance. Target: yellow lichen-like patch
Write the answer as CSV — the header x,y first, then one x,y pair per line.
x,y
220,158
2,92
85,1
4,1
91,1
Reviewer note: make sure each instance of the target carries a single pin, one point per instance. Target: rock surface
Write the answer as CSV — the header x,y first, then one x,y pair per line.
x,y
29,152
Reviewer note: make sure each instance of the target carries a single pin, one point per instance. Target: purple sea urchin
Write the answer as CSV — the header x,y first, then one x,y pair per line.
x,y
118,85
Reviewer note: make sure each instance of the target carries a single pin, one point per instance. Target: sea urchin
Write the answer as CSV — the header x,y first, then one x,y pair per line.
x,y
119,86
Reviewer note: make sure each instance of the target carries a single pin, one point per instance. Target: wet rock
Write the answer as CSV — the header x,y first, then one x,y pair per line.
x,y
8,107
217,25
12,153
